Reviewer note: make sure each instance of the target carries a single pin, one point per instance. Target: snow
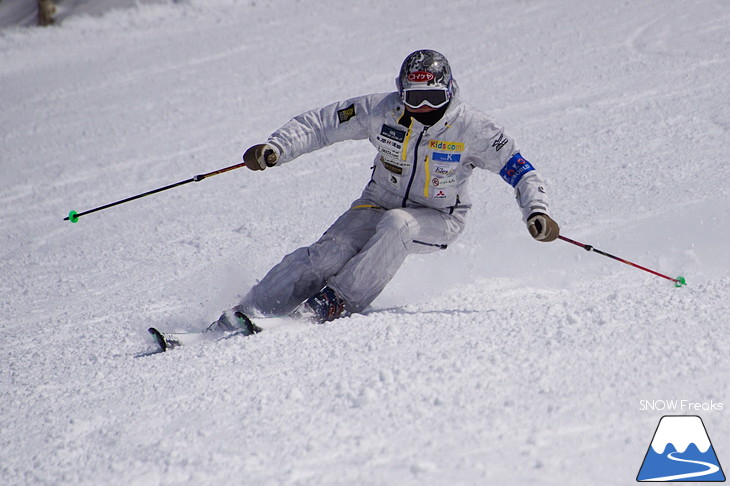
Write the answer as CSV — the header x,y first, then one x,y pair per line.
x,y
24,12
499,361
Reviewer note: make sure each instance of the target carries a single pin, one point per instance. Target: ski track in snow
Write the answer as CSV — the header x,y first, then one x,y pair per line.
x,y
500,361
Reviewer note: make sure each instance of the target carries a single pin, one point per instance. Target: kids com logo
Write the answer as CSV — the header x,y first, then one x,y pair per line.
x,y
681,451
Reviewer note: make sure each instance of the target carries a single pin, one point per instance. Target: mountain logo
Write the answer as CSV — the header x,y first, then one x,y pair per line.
x,y
681,451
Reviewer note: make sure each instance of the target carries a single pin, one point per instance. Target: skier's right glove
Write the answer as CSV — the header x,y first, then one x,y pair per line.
x,y
542,227
261,156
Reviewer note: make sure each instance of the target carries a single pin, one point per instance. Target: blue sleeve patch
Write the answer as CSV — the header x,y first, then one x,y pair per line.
x,y
514,169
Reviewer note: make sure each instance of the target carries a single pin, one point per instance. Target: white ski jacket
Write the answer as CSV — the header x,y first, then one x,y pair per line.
x,y
417,166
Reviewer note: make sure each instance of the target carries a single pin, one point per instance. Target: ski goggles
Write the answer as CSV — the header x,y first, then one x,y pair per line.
x,y
433,97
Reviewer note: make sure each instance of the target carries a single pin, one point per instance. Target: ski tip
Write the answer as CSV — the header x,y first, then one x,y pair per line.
x,y
247,324
159,338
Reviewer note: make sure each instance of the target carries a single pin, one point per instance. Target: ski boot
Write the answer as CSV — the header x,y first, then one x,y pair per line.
x,y
324,306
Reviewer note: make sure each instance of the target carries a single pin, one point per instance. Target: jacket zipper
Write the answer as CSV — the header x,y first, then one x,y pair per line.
x,y
415,167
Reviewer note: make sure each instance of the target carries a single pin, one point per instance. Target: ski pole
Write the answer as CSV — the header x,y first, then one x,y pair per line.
x,y
73,216
678,282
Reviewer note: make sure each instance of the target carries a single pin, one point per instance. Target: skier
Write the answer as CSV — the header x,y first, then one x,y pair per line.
x,y
428,143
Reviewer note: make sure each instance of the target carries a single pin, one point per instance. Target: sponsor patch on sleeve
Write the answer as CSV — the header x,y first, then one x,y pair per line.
x,y
346,113
514,169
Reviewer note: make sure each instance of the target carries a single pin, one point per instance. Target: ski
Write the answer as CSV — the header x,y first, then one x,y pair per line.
x,y
166,341
170,340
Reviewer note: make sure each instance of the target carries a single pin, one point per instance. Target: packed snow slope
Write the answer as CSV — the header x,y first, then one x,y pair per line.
x,y
499,361
25,12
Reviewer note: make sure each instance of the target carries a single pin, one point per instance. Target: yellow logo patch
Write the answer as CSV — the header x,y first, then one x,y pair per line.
x,y
447,146
346,113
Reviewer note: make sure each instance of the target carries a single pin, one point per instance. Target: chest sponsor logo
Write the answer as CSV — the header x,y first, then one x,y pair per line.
x,y
438,181
388,142
444,170
445,157
392,133
393,168
446,146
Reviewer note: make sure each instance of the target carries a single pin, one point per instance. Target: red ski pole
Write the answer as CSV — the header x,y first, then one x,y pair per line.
x,y
678,282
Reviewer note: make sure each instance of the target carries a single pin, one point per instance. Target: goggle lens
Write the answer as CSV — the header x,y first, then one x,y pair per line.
x,y
416,98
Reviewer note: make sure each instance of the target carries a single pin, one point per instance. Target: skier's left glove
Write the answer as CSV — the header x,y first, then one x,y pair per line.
x,y
261,156
542,227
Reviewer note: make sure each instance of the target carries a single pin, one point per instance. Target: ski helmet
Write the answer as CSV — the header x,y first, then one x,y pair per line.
x,y
425,69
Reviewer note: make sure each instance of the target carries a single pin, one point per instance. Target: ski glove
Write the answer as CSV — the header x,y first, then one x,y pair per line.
x,y
542,227
261,156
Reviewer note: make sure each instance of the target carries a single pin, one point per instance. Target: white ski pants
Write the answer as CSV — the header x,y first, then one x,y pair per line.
x,y
357,257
